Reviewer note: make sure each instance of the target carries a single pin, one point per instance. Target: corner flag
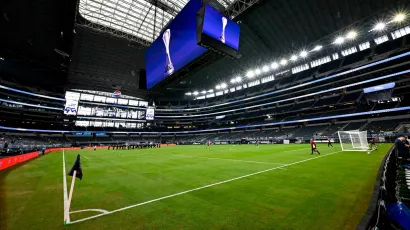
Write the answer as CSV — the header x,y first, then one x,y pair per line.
x,y
76,171
77,167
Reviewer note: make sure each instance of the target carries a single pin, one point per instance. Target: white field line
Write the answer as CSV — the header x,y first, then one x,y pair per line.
x,y
65,195
215,158
199,188
87,158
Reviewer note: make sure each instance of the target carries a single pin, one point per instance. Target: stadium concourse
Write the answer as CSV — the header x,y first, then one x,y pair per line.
x,y
263,115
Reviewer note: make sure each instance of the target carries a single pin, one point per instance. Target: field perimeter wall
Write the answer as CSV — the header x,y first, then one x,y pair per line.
x,y
15,160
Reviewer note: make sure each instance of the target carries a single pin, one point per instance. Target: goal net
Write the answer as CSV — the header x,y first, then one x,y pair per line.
x,y
354,140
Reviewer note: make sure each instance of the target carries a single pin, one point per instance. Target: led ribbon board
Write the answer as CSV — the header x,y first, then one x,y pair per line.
x,y
293,98
390,85
296,86
406,108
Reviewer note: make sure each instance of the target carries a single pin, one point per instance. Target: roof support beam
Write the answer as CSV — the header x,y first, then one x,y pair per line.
x,y
103,29
238,7
171,9
145,17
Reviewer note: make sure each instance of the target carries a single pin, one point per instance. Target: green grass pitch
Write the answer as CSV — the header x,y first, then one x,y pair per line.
x,y
191,187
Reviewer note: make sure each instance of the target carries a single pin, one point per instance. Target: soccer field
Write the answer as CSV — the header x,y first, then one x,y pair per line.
x,y
191,187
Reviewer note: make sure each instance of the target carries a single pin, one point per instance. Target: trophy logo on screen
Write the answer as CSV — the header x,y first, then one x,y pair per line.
x,y
169,68
224,22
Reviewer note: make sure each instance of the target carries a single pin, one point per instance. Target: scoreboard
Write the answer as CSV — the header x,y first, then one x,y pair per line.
x,y
105,111
199,27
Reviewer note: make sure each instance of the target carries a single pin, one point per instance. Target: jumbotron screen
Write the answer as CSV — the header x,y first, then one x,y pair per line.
x,y
221,28
175,47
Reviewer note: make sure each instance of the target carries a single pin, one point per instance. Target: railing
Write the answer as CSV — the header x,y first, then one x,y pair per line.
x,y
370,217
387,208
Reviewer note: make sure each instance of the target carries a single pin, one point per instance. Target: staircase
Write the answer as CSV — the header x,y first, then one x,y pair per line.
x,y
343,128
364,125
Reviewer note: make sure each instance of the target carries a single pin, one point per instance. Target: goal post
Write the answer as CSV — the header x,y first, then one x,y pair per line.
x,y
353,140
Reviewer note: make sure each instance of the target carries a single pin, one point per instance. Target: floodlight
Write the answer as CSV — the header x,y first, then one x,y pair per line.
x,y
380,26
294,58
188,94
257,71
304,53
238,79
275,65
195,93
265,68
283,62
223,85
339,40
210,91
218,87
351,35
317,48
250,74
233,80
203,92
399,17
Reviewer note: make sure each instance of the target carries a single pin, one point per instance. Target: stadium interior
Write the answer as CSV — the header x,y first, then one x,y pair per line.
x,y
78,77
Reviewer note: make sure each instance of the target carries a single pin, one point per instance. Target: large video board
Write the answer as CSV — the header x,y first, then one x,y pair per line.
x,y
110,112
221,28
103,107
175,47
72,99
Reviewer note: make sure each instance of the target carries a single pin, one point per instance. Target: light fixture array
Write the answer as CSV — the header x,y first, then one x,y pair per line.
x,y
303,54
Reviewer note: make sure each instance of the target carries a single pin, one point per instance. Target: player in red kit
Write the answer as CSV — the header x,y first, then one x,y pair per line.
x,y
373,144
329,143
208,145
314,147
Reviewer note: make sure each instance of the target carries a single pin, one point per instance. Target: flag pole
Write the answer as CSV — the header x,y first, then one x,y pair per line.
x,y
67,211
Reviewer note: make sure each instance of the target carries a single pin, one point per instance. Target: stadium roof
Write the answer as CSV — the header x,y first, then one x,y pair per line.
x,y
270,31
141,18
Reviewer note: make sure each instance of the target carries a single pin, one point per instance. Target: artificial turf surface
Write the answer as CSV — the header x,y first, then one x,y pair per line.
x,y
302,192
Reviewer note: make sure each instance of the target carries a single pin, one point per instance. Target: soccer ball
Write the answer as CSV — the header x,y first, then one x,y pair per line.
x,y
368,152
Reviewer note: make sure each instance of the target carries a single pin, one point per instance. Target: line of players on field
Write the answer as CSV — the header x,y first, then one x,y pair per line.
x,y
134,146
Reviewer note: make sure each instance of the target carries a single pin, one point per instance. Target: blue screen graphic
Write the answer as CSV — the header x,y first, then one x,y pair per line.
x,y
390,85
221,28
180,37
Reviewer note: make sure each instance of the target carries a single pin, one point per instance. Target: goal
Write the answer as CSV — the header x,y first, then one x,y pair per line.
x,y
353,140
